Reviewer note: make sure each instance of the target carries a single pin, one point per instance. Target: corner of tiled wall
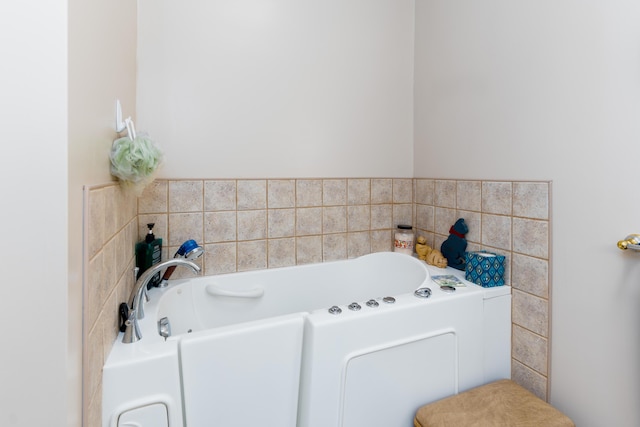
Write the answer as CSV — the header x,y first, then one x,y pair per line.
x,y
110,233
509,218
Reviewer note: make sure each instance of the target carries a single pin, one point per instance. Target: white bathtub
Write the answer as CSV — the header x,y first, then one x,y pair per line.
x,y
263,348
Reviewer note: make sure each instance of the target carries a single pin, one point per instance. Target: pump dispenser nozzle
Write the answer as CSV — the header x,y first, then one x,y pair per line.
x,y
150,237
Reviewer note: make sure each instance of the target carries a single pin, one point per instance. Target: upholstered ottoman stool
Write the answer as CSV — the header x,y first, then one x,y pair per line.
x,y
499,404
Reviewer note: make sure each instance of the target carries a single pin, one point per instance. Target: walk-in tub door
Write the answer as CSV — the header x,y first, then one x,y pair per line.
x,y
243,375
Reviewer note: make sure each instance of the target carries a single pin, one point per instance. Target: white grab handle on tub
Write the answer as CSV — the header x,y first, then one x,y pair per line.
x,y
213,289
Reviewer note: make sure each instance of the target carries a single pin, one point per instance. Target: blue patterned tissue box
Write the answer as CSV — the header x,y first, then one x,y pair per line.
x,y
484,268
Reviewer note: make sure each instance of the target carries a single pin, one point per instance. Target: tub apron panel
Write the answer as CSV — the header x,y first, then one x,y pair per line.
x,y
375,367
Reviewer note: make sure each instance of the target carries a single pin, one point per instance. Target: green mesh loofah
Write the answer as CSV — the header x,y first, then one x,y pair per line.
x,y
134,161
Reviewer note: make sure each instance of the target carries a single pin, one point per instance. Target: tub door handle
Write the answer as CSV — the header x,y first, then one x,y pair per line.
x,y
214,290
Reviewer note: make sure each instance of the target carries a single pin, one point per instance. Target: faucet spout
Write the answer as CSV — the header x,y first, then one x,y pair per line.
x,y
136,302
137,296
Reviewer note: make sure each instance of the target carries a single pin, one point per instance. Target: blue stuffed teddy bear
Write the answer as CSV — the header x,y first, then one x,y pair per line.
x,y
455,246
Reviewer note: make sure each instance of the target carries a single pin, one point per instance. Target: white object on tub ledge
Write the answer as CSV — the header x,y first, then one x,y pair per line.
x,y
214,289
293,362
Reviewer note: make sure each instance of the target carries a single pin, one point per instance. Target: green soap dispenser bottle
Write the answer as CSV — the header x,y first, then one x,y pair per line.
x,y
149,253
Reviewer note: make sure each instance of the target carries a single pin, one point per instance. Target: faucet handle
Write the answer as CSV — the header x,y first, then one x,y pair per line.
x,y
123,315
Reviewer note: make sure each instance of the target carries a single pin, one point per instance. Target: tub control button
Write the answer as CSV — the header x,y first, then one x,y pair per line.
x,y
447,288
372,303
354,306
335,310
388,300
422,292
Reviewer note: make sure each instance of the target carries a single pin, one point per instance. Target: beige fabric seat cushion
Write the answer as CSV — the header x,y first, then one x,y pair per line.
x,y
499,404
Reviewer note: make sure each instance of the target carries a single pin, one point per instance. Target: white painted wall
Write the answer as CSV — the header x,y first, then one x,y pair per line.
x,y
281,88
33,229
551,90
102,68
64,63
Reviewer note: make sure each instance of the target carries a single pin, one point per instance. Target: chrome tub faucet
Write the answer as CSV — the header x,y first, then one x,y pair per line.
x,y
136,303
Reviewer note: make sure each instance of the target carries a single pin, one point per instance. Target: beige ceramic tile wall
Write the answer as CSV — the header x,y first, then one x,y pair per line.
x,y
255,224
512,219
251,224
111,232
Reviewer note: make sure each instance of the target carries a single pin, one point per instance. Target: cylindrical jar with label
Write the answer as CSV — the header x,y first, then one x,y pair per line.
x,y
404,238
